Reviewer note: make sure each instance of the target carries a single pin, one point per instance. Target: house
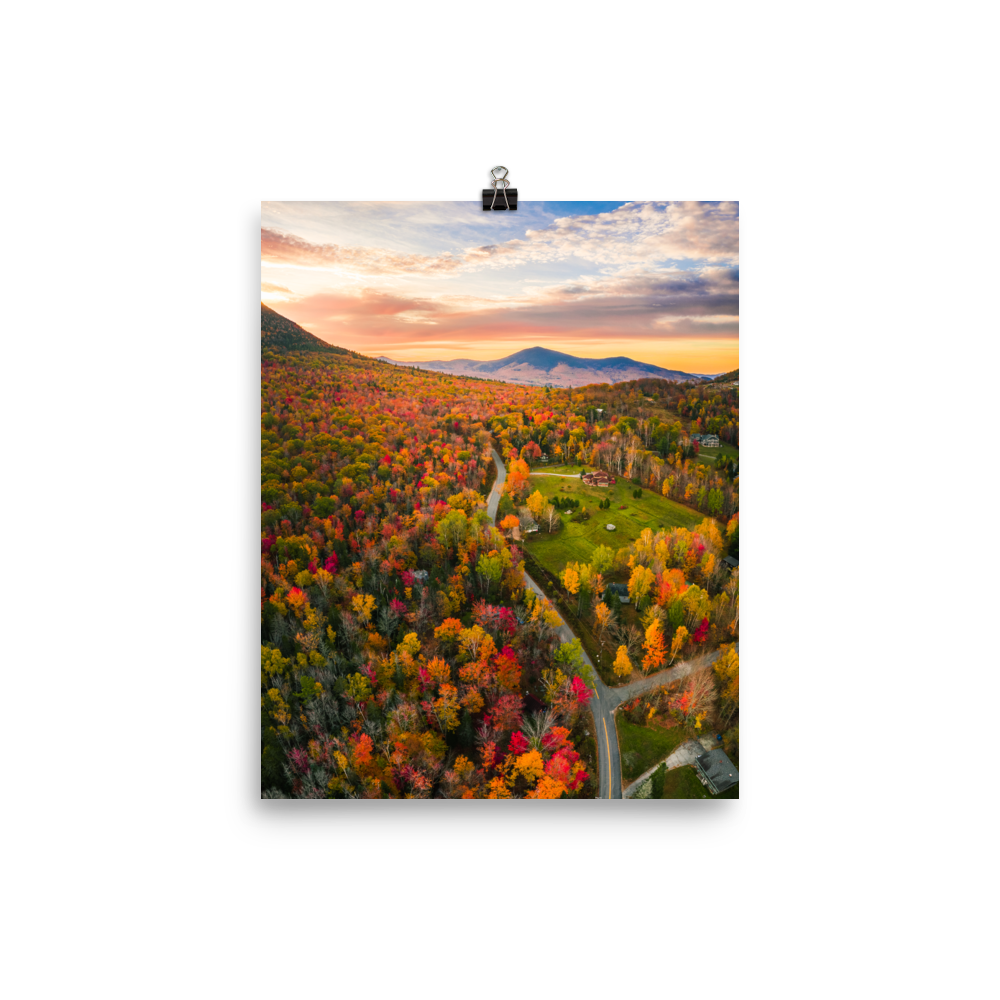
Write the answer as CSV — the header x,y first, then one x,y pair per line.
x,y
716,770
544,459
618,590
420,574
598,478
706,440
731,562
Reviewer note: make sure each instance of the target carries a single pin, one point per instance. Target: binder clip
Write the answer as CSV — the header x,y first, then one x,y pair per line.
x,y
491,200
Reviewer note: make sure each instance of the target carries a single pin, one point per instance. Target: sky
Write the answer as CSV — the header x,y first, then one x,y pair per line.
x,y
435,281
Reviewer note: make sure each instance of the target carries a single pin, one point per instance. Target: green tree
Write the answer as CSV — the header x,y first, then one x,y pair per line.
x,y
603,557
452,528
490,568
657,778
570,655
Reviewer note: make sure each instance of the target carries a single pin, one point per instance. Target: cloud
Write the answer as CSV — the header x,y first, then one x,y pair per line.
x,y
639,232
288,250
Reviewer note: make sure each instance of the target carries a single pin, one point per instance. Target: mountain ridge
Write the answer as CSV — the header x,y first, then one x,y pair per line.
x,y
544,366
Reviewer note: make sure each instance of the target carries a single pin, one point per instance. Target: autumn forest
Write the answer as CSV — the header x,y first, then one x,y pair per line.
x,y
403,651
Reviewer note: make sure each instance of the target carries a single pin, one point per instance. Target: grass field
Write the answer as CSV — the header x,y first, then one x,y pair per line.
x,y
575,541
642,746
724,449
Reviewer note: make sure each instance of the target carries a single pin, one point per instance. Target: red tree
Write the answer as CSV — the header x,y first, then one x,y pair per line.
x,y
701,632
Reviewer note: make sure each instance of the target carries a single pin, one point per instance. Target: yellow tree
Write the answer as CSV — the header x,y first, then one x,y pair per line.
x,y
602,618
536,504
727,670
445,708
622,665
639,583
707,565
364,605
677,644
709,531
471,639
571,579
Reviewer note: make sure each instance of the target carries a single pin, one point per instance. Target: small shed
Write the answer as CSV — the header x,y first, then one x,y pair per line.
x,y
718,770
731,561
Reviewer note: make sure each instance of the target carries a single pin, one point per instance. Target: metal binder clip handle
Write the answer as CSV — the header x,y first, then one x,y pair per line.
x,y
502,178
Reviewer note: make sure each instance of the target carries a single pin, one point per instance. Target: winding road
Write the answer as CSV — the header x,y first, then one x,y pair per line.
x,y
606,699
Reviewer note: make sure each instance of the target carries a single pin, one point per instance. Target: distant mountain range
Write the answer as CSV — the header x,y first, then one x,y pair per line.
x,y
281,334
541,366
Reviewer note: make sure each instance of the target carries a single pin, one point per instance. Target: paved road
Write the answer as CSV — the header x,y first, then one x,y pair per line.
x,y
606,699
494,498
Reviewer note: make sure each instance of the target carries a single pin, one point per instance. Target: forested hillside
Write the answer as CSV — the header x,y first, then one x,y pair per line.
x,y
280,334
401,655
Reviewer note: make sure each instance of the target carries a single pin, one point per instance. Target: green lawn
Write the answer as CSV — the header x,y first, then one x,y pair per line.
x,y
642,746
707,456
575,541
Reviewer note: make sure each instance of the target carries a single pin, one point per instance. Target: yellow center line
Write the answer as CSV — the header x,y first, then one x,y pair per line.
x,y
608,742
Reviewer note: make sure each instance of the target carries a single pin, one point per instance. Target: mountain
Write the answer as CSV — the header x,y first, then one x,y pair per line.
x,y
733,376
541,366
281,334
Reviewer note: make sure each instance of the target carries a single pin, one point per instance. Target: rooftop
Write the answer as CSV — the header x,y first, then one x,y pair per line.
x,y
718,769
